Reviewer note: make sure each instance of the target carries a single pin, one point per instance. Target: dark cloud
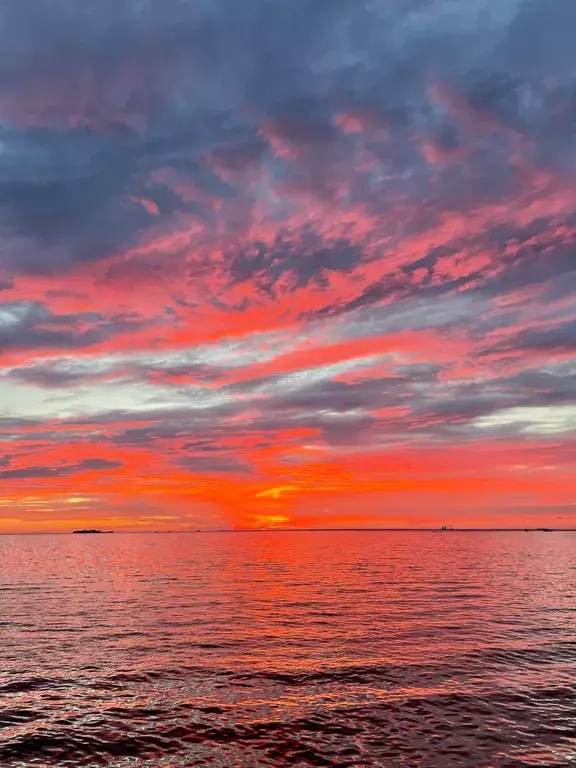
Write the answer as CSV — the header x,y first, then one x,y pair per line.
x,y
339,396
558,338
49,378
150,434
543,387
187,372
94,464
539,42
64,196
31,325
39,473
67,373
213,465
95,102
308,260
32,473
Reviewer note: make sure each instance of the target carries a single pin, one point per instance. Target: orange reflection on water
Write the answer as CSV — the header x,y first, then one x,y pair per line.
x,y
427,638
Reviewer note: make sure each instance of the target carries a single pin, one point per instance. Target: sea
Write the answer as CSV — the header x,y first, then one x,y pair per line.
x,y
269,648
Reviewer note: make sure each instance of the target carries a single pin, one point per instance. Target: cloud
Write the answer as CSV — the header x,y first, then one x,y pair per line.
x,y
41,473
213,465
32,326
536,420
184,87
561,338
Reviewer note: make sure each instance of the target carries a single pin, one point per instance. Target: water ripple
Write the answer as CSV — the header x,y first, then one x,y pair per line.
x,y
277,650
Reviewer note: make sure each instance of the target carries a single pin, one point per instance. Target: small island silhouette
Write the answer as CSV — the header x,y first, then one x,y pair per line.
x,y
91,530
545,530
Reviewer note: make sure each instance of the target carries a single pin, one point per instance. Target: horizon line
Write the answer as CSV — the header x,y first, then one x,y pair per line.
x,y
302,530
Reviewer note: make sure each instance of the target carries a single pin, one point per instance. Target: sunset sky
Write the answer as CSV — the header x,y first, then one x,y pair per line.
x,y
287,263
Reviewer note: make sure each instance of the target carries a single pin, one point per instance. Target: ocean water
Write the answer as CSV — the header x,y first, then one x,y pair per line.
x,y
288,649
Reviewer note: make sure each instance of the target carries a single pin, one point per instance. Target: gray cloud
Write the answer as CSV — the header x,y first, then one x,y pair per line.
x,y
31,325
39,473
94,103
50,378
214,465
557,338
416,405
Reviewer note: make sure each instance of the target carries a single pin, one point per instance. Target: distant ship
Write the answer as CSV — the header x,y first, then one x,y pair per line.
x,y
447,528
92,530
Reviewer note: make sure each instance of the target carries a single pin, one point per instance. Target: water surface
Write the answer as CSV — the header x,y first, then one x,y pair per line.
x,y
288,649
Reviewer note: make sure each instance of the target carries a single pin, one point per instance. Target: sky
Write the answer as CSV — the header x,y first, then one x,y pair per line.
x,y
287,263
